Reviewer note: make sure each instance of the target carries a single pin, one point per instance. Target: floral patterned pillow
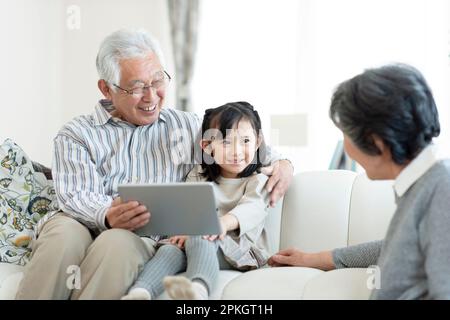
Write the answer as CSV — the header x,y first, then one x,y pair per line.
x,y
25,197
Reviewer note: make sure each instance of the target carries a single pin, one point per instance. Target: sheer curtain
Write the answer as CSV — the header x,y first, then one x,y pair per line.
x,y
184,18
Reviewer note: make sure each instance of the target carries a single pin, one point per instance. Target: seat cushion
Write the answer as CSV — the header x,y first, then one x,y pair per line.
x,y
10,276
225,276
341,284
283,283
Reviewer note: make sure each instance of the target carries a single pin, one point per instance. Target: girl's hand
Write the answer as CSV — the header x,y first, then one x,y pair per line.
x,y
178,241
224,228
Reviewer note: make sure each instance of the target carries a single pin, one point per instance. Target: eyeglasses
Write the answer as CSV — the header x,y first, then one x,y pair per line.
x,y
156,84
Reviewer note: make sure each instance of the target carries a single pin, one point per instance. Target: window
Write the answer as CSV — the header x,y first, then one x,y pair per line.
x,y
287,56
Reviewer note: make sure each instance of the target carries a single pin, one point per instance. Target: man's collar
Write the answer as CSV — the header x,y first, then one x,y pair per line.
x,y
413,171
102,112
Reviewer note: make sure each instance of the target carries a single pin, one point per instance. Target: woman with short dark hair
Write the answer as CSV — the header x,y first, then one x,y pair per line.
x,y
388,117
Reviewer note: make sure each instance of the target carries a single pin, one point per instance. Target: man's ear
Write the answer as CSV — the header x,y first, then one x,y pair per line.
x,y
104,88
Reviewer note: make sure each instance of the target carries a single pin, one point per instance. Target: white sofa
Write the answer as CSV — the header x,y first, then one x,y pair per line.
x,y
322,210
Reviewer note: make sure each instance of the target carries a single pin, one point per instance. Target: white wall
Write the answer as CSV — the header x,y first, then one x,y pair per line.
x,y
48,70
352,35
98,19
30,64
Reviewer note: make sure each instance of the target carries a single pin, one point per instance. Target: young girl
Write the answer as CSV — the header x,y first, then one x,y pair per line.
x,y
232,146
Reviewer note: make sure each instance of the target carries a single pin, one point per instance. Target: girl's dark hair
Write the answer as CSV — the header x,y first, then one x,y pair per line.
x,y
394,103
224,118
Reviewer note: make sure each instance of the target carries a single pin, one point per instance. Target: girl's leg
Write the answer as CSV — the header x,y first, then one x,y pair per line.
x,y
168,260
201,274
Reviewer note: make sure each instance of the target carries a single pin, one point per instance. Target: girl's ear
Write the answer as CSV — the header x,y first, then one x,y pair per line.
x,y
206,146
259,141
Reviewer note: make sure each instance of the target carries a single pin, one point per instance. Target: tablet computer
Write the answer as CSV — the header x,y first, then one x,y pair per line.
x,y
176,208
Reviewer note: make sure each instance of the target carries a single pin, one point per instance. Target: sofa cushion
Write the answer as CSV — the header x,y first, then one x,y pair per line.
x,y
25,197
340,284
10,276
225,276
283,283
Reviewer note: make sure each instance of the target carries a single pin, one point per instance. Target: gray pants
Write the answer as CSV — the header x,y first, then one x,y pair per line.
x,y
108,264
199,259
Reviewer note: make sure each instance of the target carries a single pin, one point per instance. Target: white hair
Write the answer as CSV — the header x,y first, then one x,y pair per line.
x,y
124,44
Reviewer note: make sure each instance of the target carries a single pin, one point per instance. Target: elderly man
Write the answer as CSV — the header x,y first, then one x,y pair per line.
x,y
89,251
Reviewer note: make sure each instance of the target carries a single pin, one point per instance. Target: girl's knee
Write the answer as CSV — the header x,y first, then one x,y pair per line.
x,y
198,241
170,249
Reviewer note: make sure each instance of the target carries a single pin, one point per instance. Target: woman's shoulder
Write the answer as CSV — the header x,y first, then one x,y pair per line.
x,y
439,173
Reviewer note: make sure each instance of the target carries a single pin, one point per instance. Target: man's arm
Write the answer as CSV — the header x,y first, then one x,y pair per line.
x,y
78,186
280,172
81,194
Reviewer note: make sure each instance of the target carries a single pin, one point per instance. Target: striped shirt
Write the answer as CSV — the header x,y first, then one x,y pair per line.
x,y
95,153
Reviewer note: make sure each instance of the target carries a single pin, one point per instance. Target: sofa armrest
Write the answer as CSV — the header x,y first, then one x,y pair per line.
x,y
282,283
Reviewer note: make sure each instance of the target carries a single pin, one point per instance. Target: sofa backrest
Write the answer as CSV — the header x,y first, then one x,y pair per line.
x,y
323,210
273,226
315,210
371,208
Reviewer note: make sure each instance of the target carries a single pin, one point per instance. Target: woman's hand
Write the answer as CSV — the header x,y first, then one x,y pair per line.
x,y
294,257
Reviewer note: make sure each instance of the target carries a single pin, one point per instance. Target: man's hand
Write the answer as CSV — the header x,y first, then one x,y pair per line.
x,y
130,215
178,241
280,173
294,257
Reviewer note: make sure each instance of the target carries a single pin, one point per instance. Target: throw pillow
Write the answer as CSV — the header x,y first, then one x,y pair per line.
x,y
25,197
